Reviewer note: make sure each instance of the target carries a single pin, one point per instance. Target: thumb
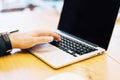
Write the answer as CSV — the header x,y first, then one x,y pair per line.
x,y
44,39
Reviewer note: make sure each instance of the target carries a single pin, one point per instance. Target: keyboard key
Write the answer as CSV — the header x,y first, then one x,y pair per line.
x,y
73,47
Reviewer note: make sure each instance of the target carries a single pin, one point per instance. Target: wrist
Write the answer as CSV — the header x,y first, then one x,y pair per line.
x,y
13,41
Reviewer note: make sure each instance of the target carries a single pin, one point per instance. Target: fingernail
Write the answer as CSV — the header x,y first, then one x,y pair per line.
x,y
50,39
59,39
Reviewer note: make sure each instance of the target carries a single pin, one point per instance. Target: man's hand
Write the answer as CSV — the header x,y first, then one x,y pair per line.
x,y
30,39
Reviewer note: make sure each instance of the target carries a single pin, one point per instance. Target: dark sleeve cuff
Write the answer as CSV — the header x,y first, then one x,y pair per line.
x,y
5,44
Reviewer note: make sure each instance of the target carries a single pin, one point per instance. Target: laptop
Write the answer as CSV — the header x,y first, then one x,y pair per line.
x,y
85,27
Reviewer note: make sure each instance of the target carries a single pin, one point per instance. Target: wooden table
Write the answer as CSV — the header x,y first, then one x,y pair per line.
x,y
24,66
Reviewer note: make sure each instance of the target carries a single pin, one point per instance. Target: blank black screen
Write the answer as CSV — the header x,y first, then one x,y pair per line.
x,y
92,20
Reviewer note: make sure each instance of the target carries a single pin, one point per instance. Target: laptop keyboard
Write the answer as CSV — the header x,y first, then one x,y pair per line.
x,y
72,47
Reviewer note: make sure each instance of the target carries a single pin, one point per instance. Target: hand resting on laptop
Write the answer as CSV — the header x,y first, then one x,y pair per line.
x,y
30,39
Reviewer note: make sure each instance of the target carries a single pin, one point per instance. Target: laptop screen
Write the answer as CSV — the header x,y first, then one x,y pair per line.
x,y
92,20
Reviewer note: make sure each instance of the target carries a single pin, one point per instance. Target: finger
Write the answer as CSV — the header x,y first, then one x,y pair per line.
x,y
44,39
49,33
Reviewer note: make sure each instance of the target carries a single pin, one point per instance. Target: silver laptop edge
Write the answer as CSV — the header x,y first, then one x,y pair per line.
x,y
57,58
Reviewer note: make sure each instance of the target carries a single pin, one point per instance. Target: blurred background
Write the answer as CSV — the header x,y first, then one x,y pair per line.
x,y
24,5
29,14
